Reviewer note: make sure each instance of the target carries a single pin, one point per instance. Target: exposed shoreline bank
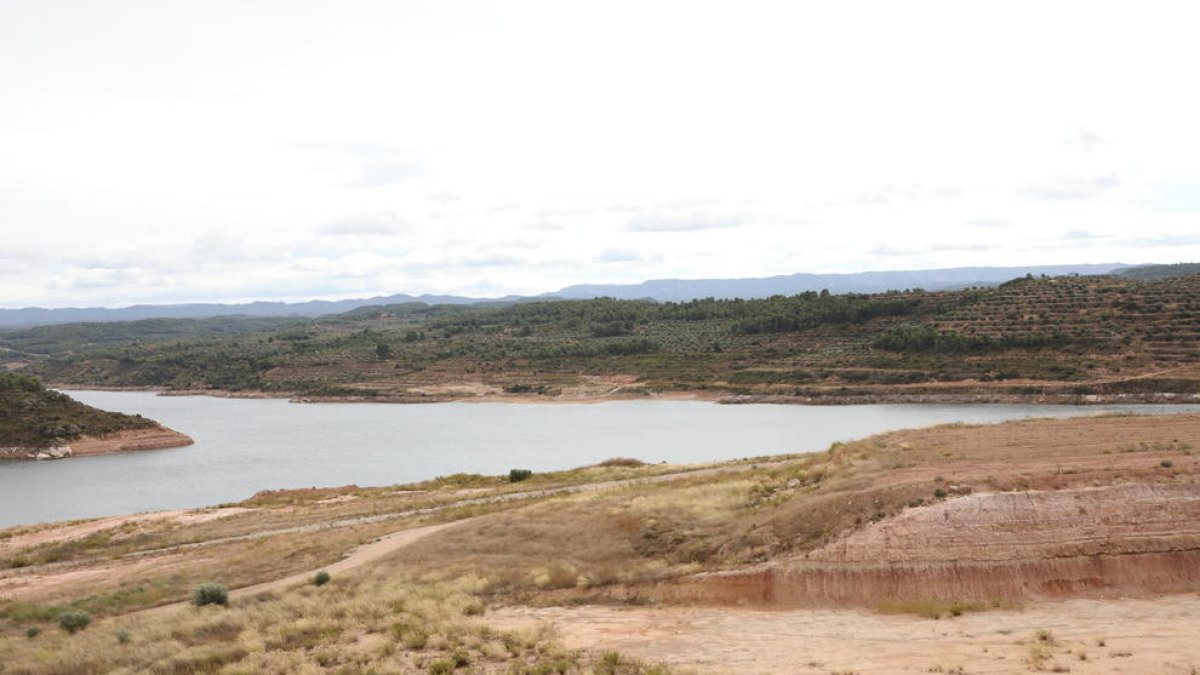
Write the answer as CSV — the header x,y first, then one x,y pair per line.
x,y
130,440
949,397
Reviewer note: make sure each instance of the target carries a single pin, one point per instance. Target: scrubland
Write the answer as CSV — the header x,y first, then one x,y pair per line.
x,y
874,553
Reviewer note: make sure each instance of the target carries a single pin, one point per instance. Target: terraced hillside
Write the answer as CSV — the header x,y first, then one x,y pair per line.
x,y
1058,337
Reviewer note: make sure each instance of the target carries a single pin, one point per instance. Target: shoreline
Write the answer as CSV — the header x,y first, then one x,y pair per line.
x,y
128,440
963,397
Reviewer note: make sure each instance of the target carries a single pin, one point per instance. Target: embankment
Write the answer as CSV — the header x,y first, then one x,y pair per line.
x,y
153,438
1106,541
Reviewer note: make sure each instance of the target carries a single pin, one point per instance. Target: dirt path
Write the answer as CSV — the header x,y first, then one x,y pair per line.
x,y
1085,636
358,557
397,540
29,581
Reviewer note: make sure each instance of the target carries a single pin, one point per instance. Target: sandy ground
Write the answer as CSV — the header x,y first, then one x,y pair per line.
x,y
1157,635
156,438
67,531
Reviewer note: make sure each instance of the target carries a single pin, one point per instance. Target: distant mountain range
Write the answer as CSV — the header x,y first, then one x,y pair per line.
x,y
38,316
859,282
656,289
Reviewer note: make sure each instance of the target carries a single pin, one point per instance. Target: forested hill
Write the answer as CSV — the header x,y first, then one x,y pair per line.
x,y
32,416
1153,272
1101,335
658,289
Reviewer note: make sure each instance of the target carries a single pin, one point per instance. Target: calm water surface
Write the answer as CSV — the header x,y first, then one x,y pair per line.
x,y
246,445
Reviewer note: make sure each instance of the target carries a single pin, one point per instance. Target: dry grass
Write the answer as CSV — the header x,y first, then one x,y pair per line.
x,y
418,609
372,622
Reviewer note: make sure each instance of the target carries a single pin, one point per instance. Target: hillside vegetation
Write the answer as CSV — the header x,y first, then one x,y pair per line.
x,y
1152,272
1069,336
34,417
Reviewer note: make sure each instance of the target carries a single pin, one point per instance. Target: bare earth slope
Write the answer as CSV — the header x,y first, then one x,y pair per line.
x,y
1089,541
1085,507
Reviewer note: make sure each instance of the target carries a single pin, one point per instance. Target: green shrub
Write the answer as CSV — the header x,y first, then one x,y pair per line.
x,y
441,667
32,632
1166,464
608,663
321,579
210,593
416,639
939,493
518,475
123,637
74,620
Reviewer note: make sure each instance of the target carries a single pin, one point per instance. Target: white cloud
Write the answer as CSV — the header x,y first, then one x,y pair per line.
x,y
381,224
239,150
683,222
1071,187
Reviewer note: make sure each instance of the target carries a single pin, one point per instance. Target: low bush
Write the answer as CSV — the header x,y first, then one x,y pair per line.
x,y
74,620
321,579
210,593
518,475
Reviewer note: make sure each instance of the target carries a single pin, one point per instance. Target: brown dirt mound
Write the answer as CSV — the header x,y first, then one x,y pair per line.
x,y
154,438
1116,539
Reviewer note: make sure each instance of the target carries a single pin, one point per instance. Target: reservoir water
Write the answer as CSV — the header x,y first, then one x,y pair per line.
x,y
246,445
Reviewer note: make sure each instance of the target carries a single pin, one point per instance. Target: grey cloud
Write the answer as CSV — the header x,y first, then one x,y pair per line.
x,y
489,260
219,247
623,208
688,222
374,164
101,262
517,242
617,255
379,172
1087,139
891,194
382,224
480,261
543,225
1176,197
1082,235
90,279
1163,240
942,248
1070,187
884,195
888,250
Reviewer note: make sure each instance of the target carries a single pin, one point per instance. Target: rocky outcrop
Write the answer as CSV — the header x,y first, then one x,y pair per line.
x,y
153,438
52,452
985,547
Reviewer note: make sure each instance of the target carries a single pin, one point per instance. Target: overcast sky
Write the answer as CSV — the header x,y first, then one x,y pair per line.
x,y
165,151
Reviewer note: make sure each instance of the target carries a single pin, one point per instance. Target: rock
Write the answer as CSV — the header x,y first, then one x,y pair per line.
x,y
52,452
